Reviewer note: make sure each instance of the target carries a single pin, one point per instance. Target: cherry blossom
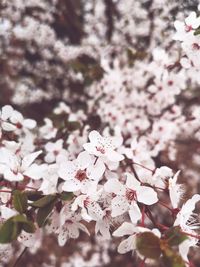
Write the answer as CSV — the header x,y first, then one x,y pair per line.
x,y
15,169
104,146
79,173
127,196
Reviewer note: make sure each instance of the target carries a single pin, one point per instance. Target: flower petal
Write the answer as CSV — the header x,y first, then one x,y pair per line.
x,y
114,186
146,195
119,206
125,229
127,245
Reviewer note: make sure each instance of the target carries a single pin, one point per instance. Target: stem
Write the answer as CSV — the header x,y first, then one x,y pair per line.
x,y
142,263
151,216
19,258
164,205
5,191
135,173
143,216
195,236
143,166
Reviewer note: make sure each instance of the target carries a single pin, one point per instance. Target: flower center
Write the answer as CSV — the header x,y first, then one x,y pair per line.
x,y
188,28
195,46
81,175
130,194
100,149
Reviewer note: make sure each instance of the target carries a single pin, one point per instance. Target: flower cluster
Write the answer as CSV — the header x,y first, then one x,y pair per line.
x,y
44,185
188,33
96,162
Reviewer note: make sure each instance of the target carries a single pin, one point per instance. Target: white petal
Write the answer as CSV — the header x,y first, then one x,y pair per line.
x,y
95,211
10,176
94,137
95,171
114,186
125,229
134,213
113,155
185,246
71,185
90,148
35,171
84,160
28,159
127,245
103,227
146,195
131,182
6,112
29,123
119,206
8,126
67,170
6,213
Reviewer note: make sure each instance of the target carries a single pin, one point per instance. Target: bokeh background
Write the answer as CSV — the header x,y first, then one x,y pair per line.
x,y
45,45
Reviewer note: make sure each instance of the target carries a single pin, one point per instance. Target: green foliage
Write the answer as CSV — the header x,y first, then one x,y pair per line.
x,y
174,236
33,195
44,201
172,259
197,31
44,212
148,245
20,201
11,229
66,196
152,247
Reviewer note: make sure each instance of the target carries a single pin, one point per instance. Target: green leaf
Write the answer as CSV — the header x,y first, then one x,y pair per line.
x,y
29,227
9,231
33,195
197,31
44,212
24,223
20,201
174,236
44,201
19,218
172,259
66,196
73,125
148,245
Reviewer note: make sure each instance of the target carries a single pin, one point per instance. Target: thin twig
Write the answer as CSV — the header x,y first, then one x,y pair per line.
x,y
19,258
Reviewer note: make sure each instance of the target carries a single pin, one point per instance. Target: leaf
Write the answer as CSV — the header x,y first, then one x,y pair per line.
x,y
174,236
33,195
20,201
29,227
44,212
19,218
24,223
73,125
197,31
9,231
44,201
66,196
148,245
172,259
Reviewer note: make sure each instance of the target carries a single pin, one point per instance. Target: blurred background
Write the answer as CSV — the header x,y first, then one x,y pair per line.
x,y
55,50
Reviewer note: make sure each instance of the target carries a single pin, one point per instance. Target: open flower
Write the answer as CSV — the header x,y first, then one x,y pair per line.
x,y
79,173
126,196
14,168
129,229
104,147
